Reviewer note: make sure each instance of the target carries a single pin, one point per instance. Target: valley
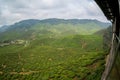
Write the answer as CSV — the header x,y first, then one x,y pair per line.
x,y
52,50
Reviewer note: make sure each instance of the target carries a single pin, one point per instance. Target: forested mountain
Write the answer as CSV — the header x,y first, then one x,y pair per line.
x,y
4,28
52,49
27,28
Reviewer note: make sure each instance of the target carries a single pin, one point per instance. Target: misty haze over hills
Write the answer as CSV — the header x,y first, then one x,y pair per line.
x,y
51,26
31,22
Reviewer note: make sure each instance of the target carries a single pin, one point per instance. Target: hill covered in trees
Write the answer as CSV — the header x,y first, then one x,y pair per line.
x,y
52,49
107,37
28,28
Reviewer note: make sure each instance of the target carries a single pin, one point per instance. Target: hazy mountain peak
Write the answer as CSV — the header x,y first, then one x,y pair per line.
x,y
32,27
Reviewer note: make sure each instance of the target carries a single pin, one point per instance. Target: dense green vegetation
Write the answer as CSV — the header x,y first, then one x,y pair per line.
x,y
107,38
52,52
69,58
25,29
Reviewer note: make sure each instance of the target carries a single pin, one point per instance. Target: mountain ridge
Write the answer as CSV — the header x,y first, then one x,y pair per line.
x,y
56,20
32,27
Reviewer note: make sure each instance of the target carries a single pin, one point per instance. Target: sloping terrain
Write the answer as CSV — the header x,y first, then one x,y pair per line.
x,y
27,28
52,49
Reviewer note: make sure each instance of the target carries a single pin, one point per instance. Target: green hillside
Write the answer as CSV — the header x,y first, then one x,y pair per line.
x,y
73,57
49,50
27,28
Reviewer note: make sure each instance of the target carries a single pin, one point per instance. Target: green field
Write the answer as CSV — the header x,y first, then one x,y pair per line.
x,y
75,57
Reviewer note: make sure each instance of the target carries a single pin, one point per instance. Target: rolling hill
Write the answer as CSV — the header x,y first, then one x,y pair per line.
x,y
27,28
52,49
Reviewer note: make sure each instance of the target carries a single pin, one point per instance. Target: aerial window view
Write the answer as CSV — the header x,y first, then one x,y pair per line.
x,y
59,40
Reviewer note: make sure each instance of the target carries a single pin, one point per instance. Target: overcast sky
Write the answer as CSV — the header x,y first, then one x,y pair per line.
x,y
12,11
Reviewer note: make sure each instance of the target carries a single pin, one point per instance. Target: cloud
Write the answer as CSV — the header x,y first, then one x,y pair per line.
x,y
16,10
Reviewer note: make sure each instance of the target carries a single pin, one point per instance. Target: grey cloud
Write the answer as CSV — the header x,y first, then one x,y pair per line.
x,y
14,3
16,10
